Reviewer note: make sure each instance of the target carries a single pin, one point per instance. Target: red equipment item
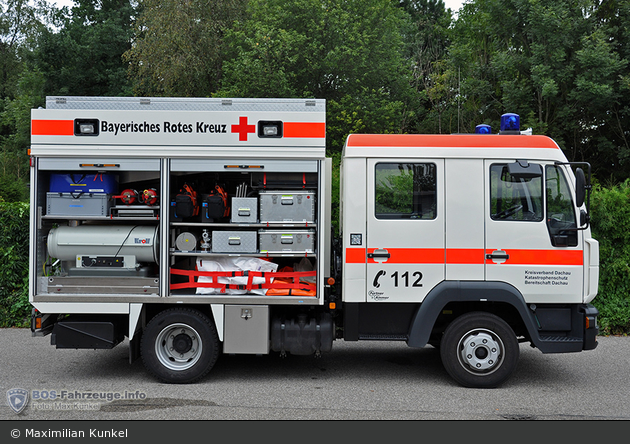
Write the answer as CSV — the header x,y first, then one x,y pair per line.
x,y
149,196
128,196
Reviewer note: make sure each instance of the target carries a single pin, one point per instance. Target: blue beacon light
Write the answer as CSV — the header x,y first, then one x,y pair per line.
x,y
510,122
483,129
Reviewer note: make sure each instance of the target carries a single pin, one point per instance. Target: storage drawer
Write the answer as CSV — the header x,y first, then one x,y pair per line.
x,y
287,206
234,242
70,204
283,241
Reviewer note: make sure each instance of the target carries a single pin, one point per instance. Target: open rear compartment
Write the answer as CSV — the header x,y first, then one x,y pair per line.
x,y
246,229
98,222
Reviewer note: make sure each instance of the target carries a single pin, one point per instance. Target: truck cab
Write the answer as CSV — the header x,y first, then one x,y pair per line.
x,y
469,243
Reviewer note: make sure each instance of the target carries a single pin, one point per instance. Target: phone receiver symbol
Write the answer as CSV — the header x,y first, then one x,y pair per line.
x,y
376,284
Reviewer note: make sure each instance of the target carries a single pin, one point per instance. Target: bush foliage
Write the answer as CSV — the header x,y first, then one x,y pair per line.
x,y
14,305
610,212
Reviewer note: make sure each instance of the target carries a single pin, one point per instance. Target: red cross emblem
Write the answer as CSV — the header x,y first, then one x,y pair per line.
x,y
243,129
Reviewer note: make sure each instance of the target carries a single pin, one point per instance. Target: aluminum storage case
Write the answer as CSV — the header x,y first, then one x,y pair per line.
x,y
244,210
80,205
287,206
234,242
286,241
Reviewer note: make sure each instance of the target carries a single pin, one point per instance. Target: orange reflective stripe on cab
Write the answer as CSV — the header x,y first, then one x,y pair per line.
x,y
356,255
412,255
542,257
467,256
449,141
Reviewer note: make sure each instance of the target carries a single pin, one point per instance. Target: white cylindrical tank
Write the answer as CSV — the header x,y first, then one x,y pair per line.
x,y
66,243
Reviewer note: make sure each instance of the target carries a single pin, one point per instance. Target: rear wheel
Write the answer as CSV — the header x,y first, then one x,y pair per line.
x,y
179,345
479,350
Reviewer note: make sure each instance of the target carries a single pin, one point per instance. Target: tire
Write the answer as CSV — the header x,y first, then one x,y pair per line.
x,y
479,350
179,345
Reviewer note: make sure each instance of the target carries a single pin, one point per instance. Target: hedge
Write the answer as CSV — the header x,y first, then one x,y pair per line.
x,y
610,214
15,309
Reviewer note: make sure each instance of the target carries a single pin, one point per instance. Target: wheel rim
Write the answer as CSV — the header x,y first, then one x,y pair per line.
x,y
480,351
178,347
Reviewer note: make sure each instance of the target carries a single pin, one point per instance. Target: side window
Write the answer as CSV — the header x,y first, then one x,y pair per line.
x,y
560,209
405,191
514,199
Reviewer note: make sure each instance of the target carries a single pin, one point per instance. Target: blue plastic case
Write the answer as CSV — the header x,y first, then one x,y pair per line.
x,y
95,183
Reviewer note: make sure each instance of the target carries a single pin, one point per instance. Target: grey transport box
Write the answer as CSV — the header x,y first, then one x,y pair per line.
x,y
287,206
67,204
284,241
234,242
244,210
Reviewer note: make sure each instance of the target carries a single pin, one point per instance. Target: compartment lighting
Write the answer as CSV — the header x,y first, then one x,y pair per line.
x,y
86,127
267,128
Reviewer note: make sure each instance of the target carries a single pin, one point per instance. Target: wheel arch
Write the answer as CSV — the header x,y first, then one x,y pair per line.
x,y
498,298
213,311
179,344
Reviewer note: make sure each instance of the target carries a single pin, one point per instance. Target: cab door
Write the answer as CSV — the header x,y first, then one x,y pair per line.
x,y
531,238
405,229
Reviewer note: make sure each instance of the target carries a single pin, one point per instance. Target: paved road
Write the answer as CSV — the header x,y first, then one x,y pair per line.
x,y
356,381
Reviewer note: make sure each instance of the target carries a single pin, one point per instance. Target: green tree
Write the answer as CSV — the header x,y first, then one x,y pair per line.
x,y
179,46
433,79
350,53
552,62
79,55
84,55
612,136
15,120
21,22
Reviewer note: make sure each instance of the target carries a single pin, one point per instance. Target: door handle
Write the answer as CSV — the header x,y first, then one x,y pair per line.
x,y
380,254
501,255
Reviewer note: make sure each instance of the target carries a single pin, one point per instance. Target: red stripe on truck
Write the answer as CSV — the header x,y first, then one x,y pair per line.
x,y
467,256
315,130
52,127
450,141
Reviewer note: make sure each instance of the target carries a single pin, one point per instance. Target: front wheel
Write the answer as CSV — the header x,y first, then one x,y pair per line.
x,y
479,350
179,345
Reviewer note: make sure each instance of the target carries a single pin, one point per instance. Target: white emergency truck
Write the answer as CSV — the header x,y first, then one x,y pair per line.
x,y
196,227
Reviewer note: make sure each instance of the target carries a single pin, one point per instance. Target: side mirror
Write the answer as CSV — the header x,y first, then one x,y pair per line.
x,y
580,187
